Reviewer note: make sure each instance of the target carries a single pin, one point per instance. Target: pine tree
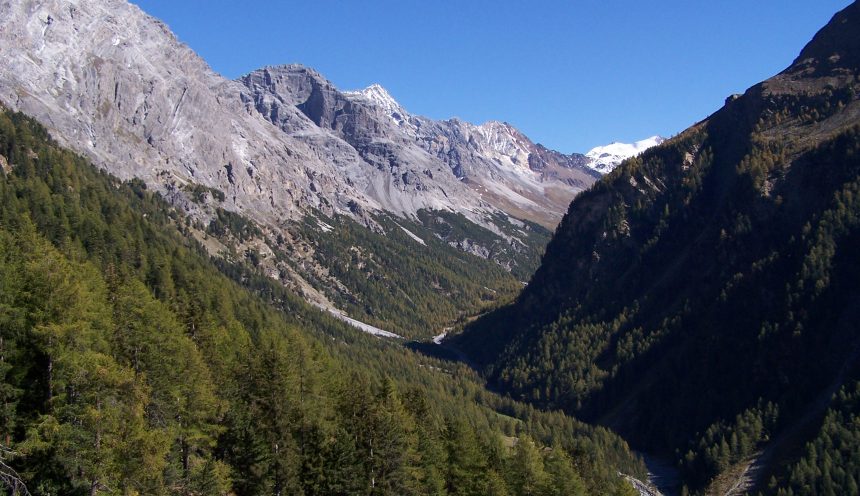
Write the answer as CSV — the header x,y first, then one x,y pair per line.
x,y
97,428
183,403
526,474
564,480
467,465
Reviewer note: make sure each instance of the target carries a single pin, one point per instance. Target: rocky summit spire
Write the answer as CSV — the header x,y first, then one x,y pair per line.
x,y
380,96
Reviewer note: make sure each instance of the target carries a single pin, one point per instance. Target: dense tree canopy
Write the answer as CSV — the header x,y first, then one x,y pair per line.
x,y
132,363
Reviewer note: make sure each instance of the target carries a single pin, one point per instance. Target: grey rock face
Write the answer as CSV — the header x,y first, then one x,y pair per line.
x,y
509,170
116,85
398,175
494,161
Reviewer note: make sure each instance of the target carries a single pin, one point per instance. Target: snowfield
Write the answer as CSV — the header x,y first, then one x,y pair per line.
x,y
607,157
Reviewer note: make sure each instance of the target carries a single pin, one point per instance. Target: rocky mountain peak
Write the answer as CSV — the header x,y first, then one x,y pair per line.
x,y
379,96
114,84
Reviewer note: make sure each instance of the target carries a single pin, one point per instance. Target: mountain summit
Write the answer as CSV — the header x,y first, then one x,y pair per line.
x,y
380,97
115,84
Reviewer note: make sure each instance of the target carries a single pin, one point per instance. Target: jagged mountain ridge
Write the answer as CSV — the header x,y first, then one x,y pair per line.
x,y
303,103
494,160
504,144
117,86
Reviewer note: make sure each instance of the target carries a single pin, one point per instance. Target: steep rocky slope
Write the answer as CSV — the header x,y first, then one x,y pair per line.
x,y
114,83
702,296
494,161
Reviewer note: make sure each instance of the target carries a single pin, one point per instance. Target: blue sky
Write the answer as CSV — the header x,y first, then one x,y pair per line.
x,y
570,74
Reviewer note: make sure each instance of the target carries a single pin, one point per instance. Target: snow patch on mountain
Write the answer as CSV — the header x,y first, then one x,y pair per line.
x,y
382,99
379,95
607,157
412,235
361,326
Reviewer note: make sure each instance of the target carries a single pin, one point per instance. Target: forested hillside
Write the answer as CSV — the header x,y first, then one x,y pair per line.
x,y
408,278
132,363
702,299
